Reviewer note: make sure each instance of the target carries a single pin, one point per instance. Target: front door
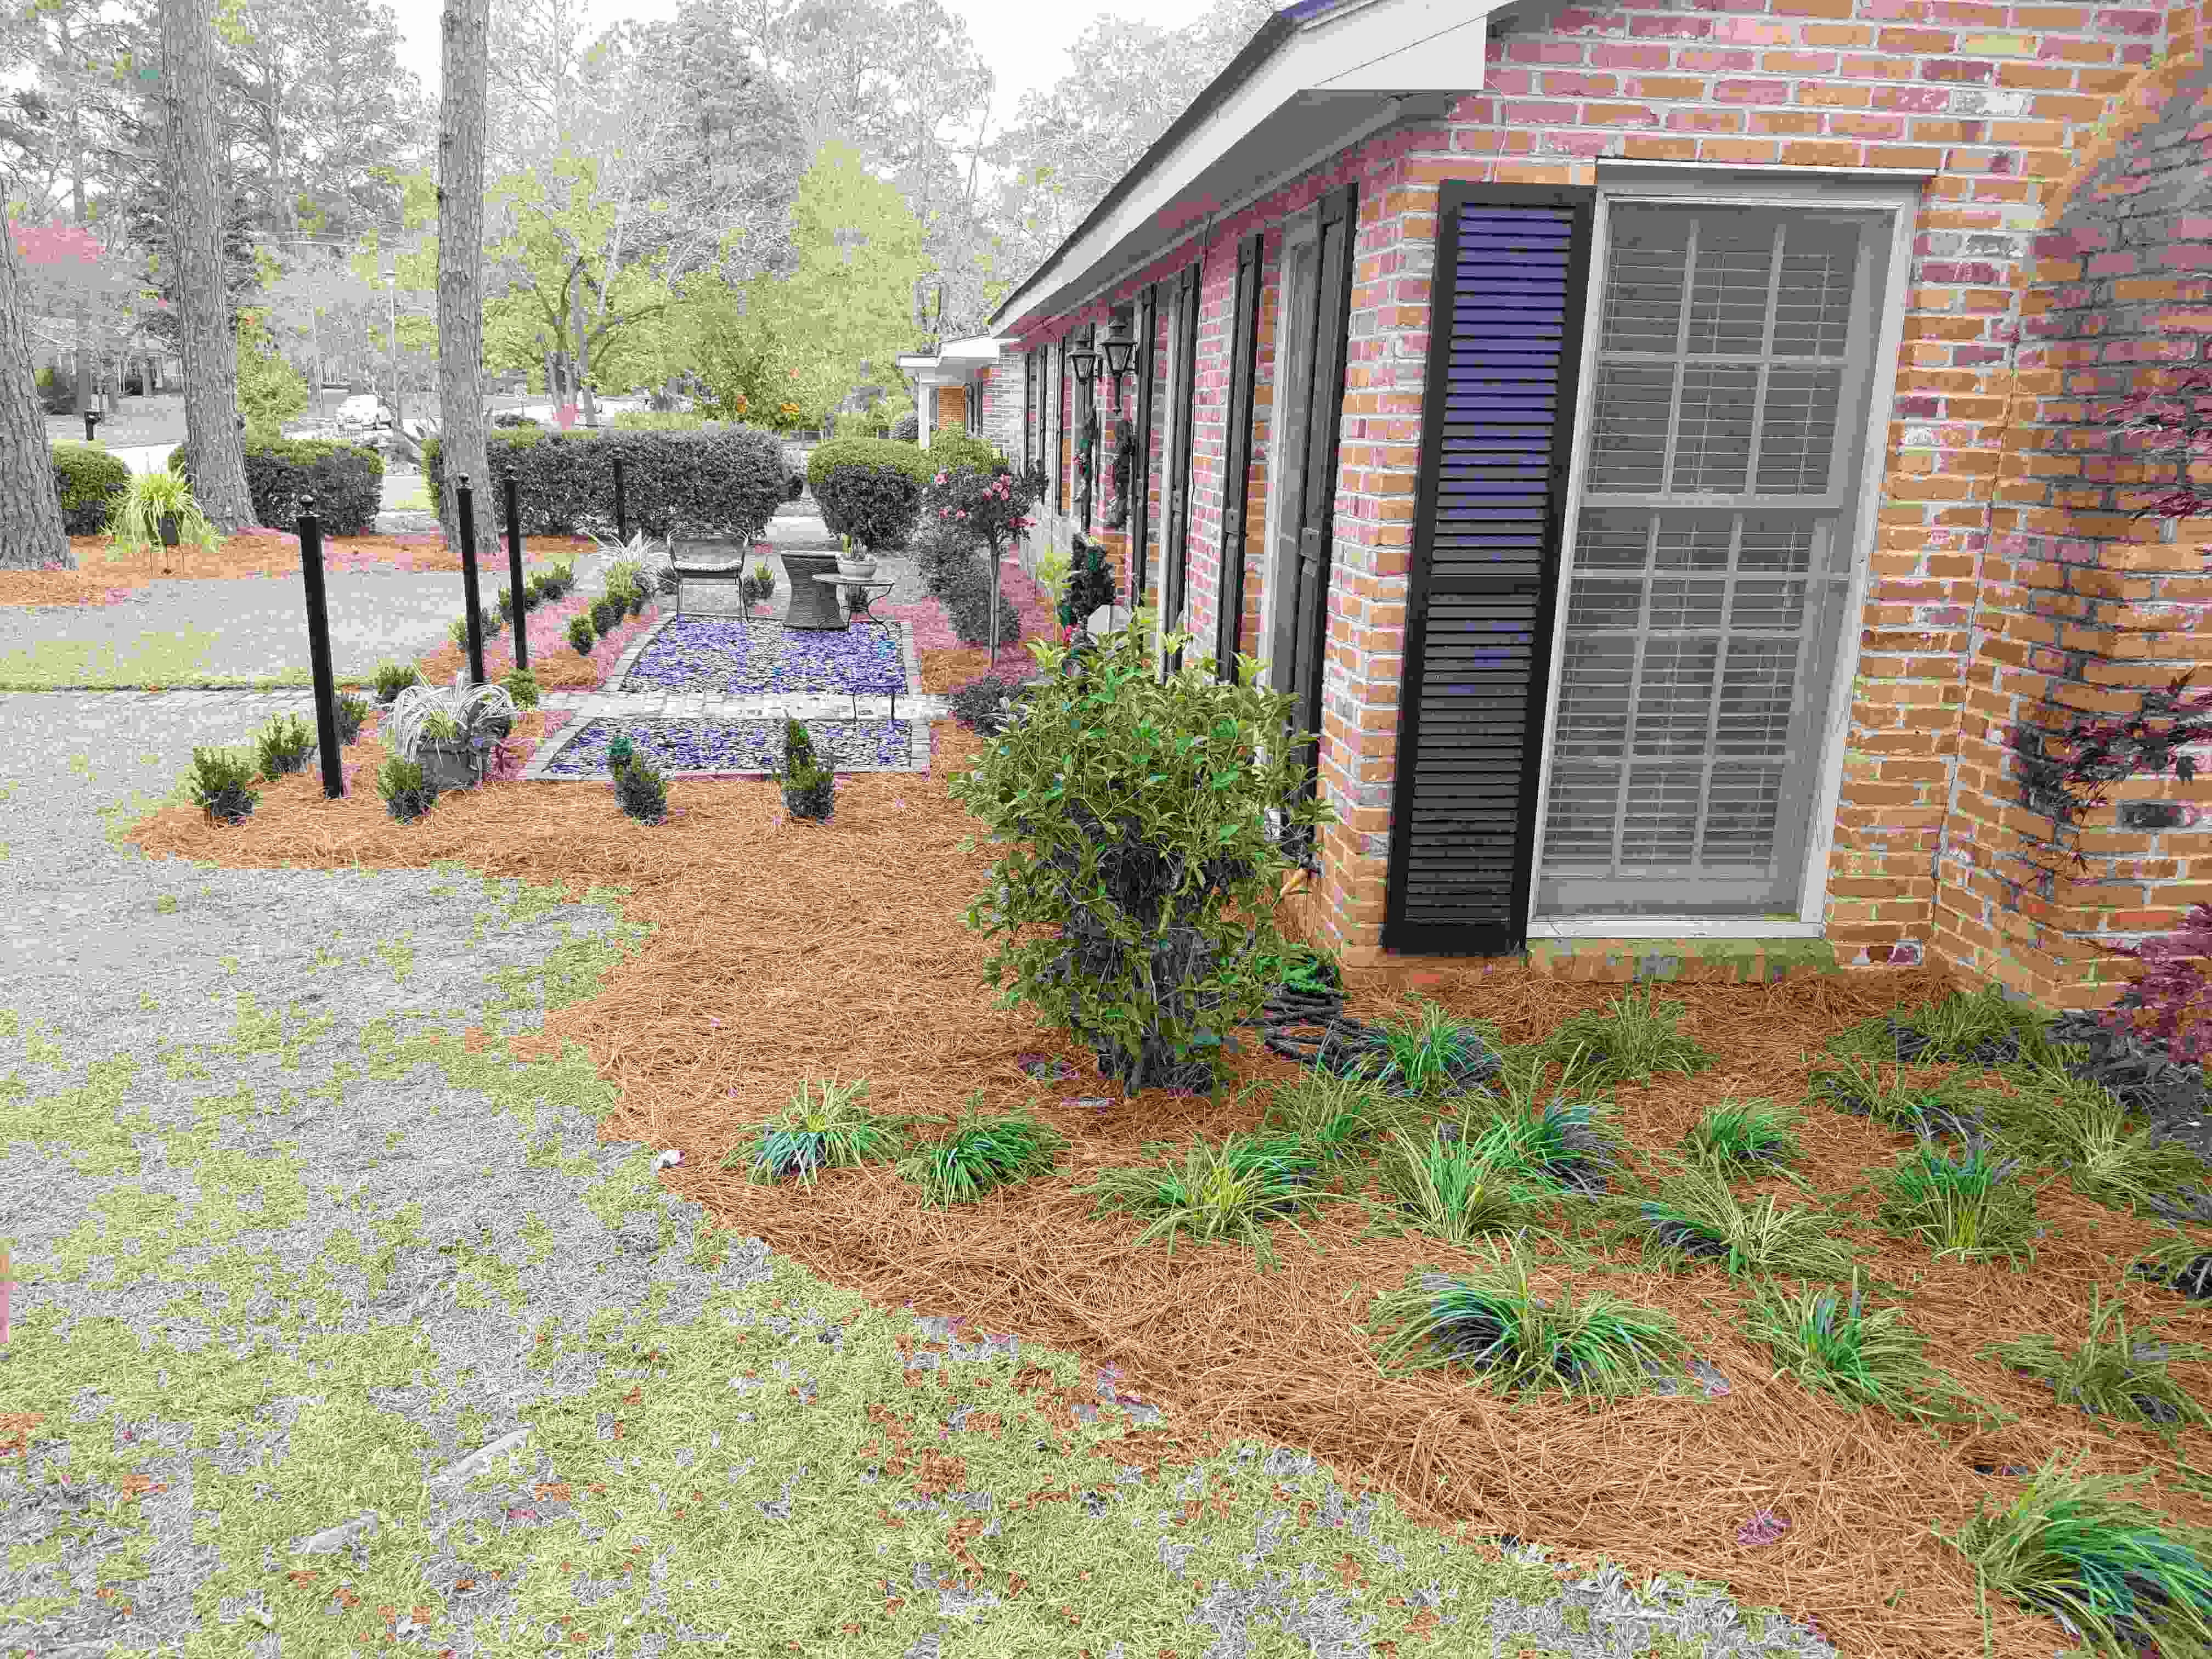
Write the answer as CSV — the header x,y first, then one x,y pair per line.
x,y
1687,688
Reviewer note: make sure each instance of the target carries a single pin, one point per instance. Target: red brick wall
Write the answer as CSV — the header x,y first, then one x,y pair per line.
x,y
2000,104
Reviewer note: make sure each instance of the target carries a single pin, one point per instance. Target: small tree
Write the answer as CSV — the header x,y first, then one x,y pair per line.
x,y
1137,813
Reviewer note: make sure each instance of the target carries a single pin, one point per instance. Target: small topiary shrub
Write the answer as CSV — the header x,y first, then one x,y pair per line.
x,y
459,633
810,785
951,450
522,688
869,489
642,791
283,746
606,613
620,752
407,790
393,678
90,481
507,604
219,784
582,635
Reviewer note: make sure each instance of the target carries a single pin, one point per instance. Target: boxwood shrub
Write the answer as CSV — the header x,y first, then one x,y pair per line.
x,y
718,481
346,480
951,449
88,479
869,489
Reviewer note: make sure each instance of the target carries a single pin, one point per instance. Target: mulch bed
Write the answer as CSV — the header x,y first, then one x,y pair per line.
x,y
785,949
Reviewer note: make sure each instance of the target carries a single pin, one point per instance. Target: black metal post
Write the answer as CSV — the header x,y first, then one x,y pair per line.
x,y
622,506
319,649
466,506
514,573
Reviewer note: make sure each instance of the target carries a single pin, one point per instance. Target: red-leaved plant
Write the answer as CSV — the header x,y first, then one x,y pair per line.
x,y
2102,751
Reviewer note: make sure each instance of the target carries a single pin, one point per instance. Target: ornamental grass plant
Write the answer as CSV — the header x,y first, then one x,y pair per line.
x,y
1701,1279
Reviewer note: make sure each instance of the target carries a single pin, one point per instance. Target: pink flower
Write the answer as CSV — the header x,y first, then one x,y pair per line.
x,y
960,515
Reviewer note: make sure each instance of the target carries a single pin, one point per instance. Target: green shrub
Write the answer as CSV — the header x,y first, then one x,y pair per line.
x,y
582,635
507,604
726,480
951,450
1150,960
407,790
606,614
393,678
522,686
642,791
350,711
346,480
622,750
219,784
284,745
810,785
89,481
649,420
1089,584
869,489
459,631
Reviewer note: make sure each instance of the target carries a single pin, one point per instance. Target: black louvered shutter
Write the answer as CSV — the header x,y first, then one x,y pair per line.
x,y
1337,218
1498,420
1237,480
1174,551
1060,424
1140,508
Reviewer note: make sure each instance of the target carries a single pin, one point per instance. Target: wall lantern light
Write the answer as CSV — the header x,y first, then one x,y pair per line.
x,y
1121,351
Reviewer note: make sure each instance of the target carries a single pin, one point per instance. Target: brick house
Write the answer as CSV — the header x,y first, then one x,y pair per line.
x,y
1675,605
958,386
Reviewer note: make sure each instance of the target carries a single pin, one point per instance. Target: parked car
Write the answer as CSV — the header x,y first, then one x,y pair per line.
x,y
364,409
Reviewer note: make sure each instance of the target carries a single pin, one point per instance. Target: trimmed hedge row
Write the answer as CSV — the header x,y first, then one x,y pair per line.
x,y
726,481
346,480
869,489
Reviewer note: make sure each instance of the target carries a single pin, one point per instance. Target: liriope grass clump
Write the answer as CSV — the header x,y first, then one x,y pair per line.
x,y
1694,1216
982,1155
1226,1191
832,1132
1632,1040
1861,1359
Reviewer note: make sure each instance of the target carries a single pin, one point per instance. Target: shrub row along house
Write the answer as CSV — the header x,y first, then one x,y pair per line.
x,y
1664,449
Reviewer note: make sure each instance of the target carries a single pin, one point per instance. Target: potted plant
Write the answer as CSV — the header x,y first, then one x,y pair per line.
x,y
450,734
857,563
757,585
158,507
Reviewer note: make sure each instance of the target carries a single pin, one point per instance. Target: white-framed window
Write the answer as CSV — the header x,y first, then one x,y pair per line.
x,y
1738,367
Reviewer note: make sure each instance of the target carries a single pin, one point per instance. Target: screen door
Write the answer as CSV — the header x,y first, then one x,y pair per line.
x,y
1711,559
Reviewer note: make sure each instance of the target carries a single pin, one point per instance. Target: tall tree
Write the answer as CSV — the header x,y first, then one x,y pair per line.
x,y
211,350
31,535
464,74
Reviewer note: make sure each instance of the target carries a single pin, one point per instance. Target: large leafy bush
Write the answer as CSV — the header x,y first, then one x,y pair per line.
x,y
346,480
718,481
951,450
89,481
869,489
1136,813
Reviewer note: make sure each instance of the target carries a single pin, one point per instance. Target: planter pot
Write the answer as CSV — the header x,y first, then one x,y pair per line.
x,y
859,567
455,765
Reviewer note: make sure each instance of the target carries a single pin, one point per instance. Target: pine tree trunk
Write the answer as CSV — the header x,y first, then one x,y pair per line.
x,y
208,349
466,66
30,537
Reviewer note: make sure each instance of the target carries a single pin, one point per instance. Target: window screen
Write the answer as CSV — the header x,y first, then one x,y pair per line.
x,y
1711,560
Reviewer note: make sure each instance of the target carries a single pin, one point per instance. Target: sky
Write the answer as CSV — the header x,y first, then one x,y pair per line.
x,y
1025,47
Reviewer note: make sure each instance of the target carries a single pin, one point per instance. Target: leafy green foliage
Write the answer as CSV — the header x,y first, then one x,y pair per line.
x,y
582,635
869,489
951,450
607,613
522,686
982,1156
90,482
1632,1040
270,392
809,783
1862,1358
1135,810
1227,1191
349,712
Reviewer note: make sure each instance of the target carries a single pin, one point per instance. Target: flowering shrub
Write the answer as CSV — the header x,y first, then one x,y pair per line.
x,y
990,508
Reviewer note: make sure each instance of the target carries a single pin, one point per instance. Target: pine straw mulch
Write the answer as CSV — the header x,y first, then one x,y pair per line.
x,y
788,950
108,574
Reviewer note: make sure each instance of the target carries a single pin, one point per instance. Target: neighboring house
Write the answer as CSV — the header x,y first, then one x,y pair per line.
x,y
1659,449
954,388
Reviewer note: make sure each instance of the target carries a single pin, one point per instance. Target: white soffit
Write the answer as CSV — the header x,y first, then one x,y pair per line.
x,y
1325,87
